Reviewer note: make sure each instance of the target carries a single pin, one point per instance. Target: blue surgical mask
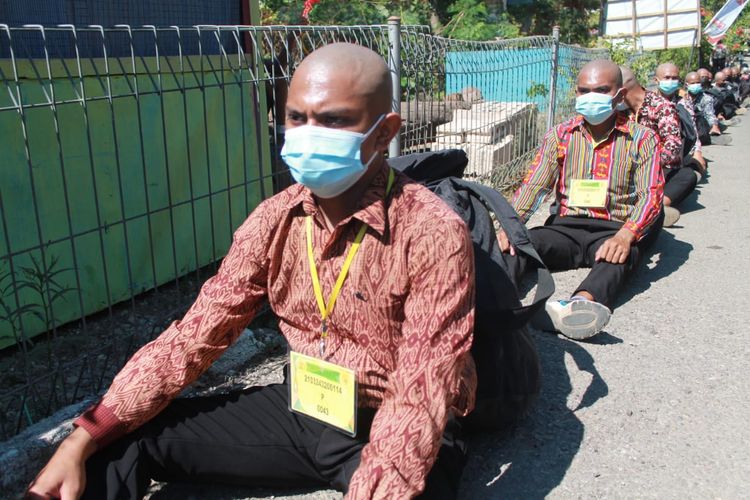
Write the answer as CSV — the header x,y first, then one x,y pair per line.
x,y
695,88
595,107
669,87
621,106
326,160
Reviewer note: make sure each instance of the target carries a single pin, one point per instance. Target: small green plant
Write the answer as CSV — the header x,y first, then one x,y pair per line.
x,y
43,280
537,90
12,313
41,288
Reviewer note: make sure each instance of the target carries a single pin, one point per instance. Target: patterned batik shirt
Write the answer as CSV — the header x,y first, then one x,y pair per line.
x,y
403,322
704,105
628,158
660,115
687,104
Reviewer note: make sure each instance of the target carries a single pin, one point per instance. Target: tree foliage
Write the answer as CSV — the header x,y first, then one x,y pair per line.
x,y
460,19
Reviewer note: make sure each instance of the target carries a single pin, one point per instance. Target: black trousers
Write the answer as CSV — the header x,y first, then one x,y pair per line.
x,y
680,182
566,243
248,438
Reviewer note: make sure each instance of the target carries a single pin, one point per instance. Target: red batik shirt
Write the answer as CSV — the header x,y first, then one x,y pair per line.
x,y
628,157
403,321
660,115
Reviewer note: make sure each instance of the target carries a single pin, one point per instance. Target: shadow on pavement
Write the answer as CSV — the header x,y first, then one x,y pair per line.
x,y
189,491
691,204
669,252
533,459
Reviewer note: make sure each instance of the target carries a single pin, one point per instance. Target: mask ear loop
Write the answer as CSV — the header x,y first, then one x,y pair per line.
x,y
614,106
374,126
367,135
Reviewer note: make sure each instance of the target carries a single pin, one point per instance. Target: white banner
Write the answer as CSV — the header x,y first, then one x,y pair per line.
x,y
653,24
723,20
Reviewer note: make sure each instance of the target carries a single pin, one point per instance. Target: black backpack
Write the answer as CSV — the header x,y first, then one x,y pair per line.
x,y
507,363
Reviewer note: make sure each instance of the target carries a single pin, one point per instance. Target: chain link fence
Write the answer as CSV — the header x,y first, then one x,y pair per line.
x,y
131,154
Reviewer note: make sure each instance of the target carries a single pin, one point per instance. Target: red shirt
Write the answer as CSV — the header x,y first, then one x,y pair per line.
x,y
660,115
403,321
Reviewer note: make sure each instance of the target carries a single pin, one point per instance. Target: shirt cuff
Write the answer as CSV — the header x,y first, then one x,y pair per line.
x,y
633,228
102,424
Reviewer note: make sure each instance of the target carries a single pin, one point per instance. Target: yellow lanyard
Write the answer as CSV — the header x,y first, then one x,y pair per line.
x,y
327,309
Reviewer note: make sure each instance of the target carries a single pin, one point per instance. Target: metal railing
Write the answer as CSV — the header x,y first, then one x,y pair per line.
x,y
131,154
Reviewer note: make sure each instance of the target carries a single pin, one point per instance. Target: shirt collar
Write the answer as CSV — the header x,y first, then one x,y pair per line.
x,y
371,209
622,123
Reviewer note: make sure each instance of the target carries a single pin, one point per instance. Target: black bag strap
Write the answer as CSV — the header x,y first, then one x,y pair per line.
x,y
518,236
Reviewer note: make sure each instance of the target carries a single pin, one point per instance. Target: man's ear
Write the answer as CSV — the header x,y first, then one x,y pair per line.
x,y
623,93
388,129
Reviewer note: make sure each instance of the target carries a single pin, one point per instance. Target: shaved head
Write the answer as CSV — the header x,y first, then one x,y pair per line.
x,y
692,77
346,87
629,81
668,71
704,72
720,77
357,70
602,70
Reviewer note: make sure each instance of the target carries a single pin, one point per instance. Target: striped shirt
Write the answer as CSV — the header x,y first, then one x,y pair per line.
x,y
628,157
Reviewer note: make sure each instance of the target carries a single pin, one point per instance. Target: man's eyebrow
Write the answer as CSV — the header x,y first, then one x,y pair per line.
x,y
323,112
291,109
605,88
334,111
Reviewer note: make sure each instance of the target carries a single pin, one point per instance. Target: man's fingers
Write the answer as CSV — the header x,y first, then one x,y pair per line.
x,y
69,492
35,493
598,254
623,257
504,242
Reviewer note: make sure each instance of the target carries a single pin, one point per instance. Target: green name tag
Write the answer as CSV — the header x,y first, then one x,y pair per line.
x,y
324,391
588,193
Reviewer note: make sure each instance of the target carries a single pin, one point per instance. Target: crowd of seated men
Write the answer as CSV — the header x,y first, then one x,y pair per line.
x,y
619,171
400,320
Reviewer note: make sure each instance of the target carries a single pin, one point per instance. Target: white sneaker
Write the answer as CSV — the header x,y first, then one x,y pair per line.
x,y
578,319
671,216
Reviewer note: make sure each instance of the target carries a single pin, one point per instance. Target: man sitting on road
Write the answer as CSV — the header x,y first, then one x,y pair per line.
x,y
668,82
744,84
733,83
705,116
726,104
604,170
398,322
649,109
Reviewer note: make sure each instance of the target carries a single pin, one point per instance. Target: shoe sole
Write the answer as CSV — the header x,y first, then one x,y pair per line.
x,y
583,320
721,140
671,216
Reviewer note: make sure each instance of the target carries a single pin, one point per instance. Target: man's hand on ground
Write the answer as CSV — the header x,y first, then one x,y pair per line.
x,y
505,245
64,476
616,250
